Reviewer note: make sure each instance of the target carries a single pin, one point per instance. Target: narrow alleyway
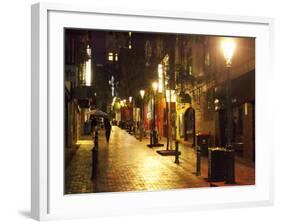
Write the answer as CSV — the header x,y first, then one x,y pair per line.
x,y
126,164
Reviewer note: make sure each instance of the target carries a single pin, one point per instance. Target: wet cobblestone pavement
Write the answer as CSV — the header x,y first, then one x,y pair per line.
x,y
126,164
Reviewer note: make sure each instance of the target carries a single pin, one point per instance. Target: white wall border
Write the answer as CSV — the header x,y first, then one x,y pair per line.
x,y
45,204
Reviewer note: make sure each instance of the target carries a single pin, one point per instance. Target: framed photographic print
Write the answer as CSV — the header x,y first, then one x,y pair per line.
x,y
148,111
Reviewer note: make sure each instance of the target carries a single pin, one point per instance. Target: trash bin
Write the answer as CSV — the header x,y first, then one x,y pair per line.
x,y
216,164
203,143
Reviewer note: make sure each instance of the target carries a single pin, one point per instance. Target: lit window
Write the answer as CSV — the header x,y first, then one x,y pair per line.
x,y
110,56
190,69
116,57
130,34
88,68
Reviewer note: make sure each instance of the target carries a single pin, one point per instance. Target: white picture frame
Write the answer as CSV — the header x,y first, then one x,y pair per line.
x,y
48,201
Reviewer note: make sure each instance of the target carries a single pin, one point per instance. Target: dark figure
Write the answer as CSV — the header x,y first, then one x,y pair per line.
x,y
107,127
94,123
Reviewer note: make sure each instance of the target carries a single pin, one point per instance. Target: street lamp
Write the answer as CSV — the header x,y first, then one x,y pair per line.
x,y
131,114
228,48
154,87
153,134
142,92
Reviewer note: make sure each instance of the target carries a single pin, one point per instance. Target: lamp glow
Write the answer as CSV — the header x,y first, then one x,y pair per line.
x,y
160,78
142,92
154,86
88,67
228,47
171,96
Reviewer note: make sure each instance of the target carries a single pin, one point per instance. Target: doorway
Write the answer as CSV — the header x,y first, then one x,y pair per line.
x,y
189,126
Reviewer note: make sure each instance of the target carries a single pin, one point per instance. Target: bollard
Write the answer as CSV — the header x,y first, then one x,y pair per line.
x,y
94,162
198,161
95,155
96,140
141,133
177,153
151,136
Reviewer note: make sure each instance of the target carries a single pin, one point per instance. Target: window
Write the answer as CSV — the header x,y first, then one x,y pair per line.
x,y
116,56
110,56
190,65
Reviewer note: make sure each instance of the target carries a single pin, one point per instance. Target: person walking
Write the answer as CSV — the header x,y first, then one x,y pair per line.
x,y
107,127
94,124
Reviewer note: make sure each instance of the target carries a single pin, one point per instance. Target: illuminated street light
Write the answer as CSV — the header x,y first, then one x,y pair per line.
x,y
153,134
154,86
130,99
160,78
228,47
142,92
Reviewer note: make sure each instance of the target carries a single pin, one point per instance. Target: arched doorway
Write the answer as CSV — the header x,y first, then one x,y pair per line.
x,y
189,126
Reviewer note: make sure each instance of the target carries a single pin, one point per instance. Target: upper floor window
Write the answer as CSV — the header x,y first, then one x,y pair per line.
x,y
110,56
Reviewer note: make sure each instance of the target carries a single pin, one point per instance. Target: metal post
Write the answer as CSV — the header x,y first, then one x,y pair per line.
x,y
198,161
141,120
154,121
228,109
177,153
230,153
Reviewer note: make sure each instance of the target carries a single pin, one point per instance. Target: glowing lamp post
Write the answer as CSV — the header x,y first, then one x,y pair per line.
x,y
153,135
142,92
131,126
154,87
228,48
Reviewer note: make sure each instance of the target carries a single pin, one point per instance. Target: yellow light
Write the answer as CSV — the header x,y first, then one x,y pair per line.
x,y
110,56
228,47
113,101
160,78
142,92
88,68
172,96
130,99
154,86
